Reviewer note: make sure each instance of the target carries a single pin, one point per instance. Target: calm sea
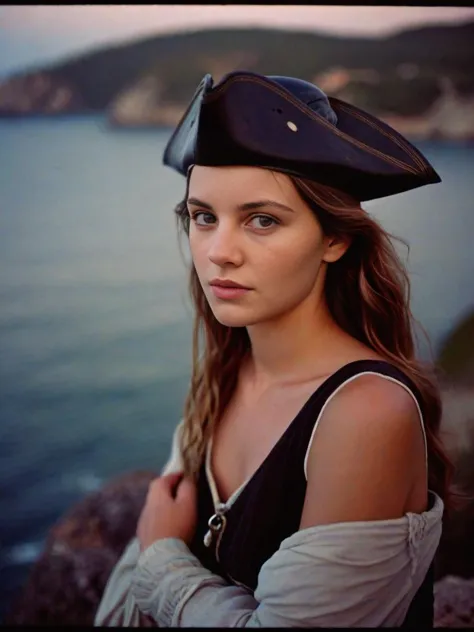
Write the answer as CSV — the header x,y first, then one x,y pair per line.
x,y
95,323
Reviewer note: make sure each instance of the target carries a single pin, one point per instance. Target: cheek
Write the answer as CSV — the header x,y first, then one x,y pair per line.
x,y
294,263
197,250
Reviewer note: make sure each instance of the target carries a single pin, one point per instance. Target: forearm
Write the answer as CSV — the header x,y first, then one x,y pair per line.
x,y
171,585
117,606
344,575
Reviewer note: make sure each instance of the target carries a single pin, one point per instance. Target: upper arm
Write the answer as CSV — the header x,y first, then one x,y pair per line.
x,y
364,457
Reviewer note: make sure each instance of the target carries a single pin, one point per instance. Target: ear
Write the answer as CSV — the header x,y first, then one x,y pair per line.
x,y
335,248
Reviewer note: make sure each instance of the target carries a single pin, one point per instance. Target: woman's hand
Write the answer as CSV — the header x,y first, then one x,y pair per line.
x,y
170,510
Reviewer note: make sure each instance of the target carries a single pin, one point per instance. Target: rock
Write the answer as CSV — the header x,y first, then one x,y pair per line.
x,y
39,93
454,603
456,356
456,551
142,106
457,426
67,581
450,116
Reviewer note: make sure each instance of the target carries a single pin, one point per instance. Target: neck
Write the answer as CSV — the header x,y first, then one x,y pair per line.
x,y
293,347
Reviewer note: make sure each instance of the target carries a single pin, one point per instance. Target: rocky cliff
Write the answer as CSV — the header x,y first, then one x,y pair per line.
x,y
39,93
449,116
420,81
67,581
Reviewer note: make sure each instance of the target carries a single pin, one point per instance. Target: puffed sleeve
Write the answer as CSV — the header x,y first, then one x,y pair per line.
x,y
118,606
347,574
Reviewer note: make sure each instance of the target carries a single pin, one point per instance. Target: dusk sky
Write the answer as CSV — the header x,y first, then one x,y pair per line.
x,y
31,35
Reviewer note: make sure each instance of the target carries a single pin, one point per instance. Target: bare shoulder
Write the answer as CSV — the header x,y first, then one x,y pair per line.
x,y
365,453
369,395
384,411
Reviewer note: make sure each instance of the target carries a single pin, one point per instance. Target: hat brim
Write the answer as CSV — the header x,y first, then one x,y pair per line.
x,y
249,119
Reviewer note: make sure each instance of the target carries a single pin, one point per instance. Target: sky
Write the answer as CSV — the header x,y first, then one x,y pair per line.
x,y
35,35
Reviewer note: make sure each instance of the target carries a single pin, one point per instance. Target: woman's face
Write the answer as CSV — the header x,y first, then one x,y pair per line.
x,y
249,226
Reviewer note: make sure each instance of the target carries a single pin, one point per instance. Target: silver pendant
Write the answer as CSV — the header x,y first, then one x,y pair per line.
x,y
208,539
215,523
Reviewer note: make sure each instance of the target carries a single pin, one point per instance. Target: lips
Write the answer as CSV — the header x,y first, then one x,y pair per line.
x,y
224,283
225,289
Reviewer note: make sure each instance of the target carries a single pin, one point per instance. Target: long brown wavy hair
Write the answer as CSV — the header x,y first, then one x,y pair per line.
x,y
368,294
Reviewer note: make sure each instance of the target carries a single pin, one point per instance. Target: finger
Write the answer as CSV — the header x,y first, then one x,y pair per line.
x,y
162,484
186,492
166,484
167,480
171,480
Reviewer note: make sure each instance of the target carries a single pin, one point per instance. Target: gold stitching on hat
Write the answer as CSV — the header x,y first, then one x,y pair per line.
x,y
416,159
292,126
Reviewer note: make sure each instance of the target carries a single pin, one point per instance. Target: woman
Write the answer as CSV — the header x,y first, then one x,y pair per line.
x,y
307,482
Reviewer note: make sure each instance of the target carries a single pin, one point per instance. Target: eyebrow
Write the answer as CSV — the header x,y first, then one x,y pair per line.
x,y
248,206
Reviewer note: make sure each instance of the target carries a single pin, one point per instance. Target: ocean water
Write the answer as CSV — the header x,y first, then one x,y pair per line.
x,y
95,322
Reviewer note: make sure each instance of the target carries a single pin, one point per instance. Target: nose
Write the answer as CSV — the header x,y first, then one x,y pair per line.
x,y
224,248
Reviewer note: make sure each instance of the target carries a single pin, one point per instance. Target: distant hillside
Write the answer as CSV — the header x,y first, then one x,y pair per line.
x,y
426,71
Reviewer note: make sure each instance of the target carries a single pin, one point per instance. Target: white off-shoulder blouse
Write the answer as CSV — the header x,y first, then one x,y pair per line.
x,y
346,574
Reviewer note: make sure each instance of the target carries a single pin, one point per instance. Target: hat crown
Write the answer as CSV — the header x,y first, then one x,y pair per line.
x,y
309,94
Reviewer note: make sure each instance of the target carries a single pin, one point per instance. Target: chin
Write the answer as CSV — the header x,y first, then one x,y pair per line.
x,y
234,315
228,319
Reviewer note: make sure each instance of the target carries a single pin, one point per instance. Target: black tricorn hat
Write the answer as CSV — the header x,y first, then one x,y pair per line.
x,y
290,125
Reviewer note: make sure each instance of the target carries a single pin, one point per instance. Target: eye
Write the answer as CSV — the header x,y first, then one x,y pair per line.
x,y
264,222
202,218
